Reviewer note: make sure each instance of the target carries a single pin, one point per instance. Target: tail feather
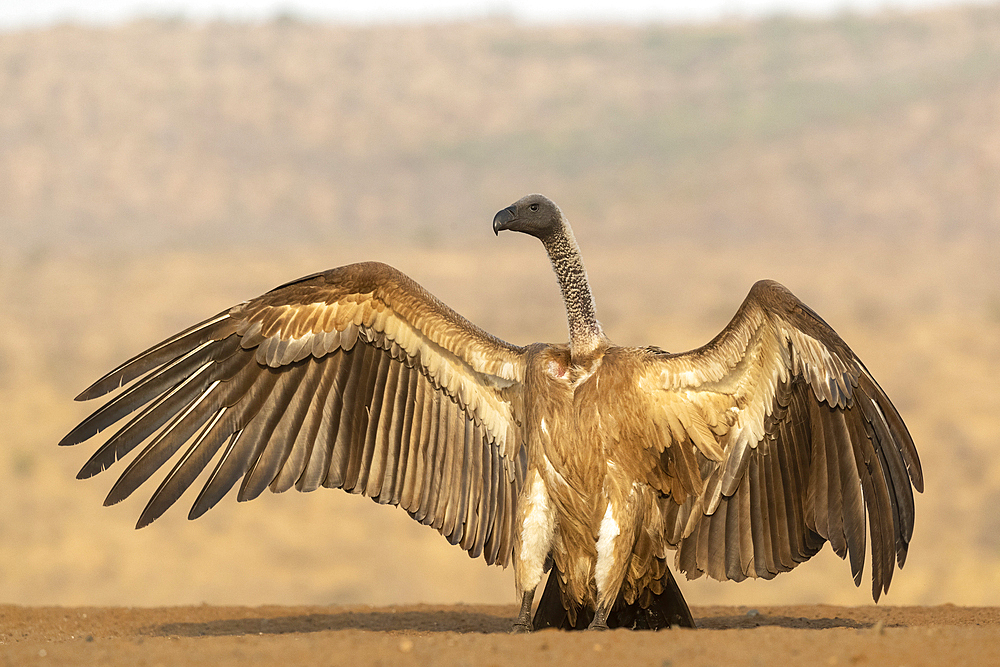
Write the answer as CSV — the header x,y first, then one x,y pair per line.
x,y
665,610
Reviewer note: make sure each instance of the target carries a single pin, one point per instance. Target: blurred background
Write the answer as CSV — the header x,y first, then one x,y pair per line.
x,y
160,164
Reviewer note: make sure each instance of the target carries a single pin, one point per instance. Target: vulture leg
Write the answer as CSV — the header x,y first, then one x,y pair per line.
x,y
523,622
600,621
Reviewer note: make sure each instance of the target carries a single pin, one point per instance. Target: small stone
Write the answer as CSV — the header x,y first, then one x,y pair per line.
x,y
753,612
42,653
406,645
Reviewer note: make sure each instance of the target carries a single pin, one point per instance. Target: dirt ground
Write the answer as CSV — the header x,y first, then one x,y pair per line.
x,y
477,635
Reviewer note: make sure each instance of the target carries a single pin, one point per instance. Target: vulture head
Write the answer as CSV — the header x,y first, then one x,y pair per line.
x,y
536,215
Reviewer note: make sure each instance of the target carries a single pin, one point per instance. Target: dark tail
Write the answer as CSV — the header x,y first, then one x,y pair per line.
x,y
668,609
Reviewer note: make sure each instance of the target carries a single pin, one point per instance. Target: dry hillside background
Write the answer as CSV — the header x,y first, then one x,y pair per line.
x,y
154,173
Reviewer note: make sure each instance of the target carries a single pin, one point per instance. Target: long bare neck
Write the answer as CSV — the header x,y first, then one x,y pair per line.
x,y
585,333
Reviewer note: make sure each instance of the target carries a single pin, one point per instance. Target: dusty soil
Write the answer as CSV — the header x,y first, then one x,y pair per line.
x,y
465,634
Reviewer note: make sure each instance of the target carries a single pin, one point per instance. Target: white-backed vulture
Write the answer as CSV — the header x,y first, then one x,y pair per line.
x,y
741,457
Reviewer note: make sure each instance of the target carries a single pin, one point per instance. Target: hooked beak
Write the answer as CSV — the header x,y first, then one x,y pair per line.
x,y
503,218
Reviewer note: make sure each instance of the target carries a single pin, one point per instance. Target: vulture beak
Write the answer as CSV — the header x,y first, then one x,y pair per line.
x,y
503,218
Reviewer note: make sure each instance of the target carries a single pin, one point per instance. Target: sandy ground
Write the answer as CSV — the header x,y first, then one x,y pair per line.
x,y
464,634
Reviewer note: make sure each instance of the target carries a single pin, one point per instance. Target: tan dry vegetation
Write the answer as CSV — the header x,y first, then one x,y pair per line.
x,y
155,173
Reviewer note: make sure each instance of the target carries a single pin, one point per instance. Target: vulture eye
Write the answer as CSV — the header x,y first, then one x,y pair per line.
x,y
534,207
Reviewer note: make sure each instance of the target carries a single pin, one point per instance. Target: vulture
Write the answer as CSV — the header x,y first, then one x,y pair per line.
x,y
591,462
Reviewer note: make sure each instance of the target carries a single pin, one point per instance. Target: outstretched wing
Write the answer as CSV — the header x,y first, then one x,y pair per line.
x,y
785,441
355,378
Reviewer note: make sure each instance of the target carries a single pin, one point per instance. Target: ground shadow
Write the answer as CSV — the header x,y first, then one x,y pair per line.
x,y
448,621
378,621
749,621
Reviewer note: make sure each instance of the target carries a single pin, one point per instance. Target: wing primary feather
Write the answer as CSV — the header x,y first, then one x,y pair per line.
x,y
764,472
767,475
303,449
747,555
731,542
509,509
190,465
855,510
462,487
241,450
504,512
201,504
799,467
288,450
818,494
193,338
382,487
784,501
124,441
409,498
361,413
879,515
353,411
315,432
447,492
715,564
489,520
174,399
334,422
184,423
444,454
474,490
889,518
863,452
892,453
142,393
430,437
405,446
260,430
465,481
758,519
384,456
837,440
477,491
373,461
853,502
766,567
900,434
274,460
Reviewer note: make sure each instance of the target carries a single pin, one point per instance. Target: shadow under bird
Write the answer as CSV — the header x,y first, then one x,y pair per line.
x,y
740,458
